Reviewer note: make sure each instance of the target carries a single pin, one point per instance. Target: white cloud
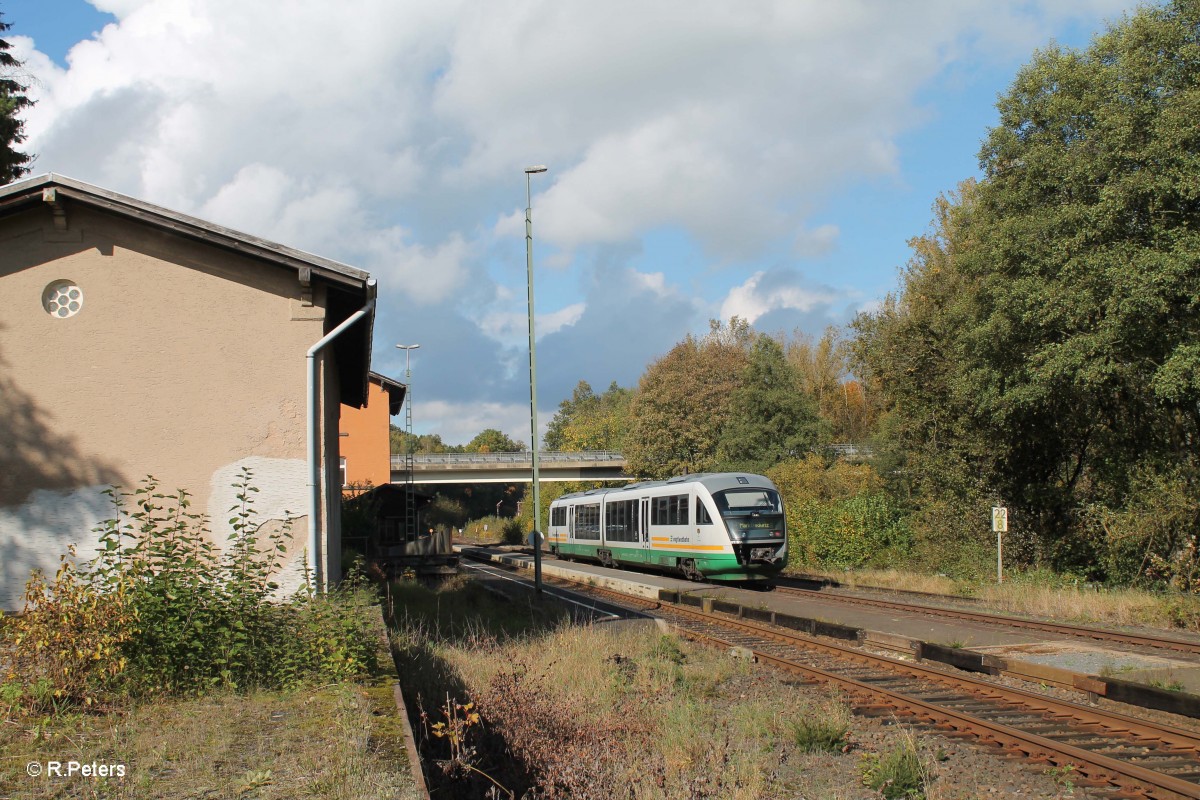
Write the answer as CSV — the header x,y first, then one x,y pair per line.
x,y
811,243
392,134
457,423
420,273
770,291
513,326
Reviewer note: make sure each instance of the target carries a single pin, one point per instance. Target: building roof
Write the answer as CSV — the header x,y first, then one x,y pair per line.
x,y
395,390
349,289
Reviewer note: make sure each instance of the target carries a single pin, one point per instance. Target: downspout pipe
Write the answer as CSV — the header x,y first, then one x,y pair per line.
x,y
315,562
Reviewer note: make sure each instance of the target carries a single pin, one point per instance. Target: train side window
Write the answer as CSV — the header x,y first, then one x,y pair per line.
x,y
671,510
620,521
702,515
587,521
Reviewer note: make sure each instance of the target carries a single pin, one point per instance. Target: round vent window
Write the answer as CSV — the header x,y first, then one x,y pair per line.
x,y
62,299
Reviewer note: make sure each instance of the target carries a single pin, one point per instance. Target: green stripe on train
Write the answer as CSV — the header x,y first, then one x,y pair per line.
x,y
717,566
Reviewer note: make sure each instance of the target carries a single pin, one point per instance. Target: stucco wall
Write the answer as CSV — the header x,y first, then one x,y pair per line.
x,y
184,362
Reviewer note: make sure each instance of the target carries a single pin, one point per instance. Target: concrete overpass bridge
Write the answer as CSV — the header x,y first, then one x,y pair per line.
x,y
588,465
591,465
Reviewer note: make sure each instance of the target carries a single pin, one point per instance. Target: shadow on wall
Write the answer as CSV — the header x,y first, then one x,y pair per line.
x,y
50,492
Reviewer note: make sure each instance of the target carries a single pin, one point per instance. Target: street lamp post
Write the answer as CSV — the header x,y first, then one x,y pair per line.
x,y
533,420
410,512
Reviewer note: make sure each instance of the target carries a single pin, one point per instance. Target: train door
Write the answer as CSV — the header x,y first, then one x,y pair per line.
x,y
571,523
643,522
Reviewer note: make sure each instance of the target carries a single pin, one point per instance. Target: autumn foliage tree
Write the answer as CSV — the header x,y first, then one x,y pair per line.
x,y
823,367
684,402
590,421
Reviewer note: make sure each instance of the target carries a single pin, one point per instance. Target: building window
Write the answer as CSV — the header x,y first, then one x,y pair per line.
x,y
342,466
62,299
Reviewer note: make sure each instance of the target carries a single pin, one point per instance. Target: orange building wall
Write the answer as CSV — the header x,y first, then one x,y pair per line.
x,y
364,442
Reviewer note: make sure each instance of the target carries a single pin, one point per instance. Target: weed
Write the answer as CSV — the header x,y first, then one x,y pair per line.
x,y
458,721
253,779
161,610
816,734
1168,685
1109,670
898,773
1064,776
667,649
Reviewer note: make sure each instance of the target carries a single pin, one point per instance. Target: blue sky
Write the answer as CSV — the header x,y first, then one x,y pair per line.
x,y
769,162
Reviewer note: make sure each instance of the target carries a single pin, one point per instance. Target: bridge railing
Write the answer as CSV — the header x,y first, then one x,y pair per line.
x,y
526,457
847,451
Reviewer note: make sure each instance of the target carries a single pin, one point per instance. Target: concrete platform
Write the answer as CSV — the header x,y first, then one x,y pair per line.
x,y
1029,654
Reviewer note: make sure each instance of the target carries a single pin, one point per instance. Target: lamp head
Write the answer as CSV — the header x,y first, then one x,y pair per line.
x,y
536,169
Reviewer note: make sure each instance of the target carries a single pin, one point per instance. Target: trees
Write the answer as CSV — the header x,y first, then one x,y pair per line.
x,y
13,164
1042,349
587,421
824,372
683,403
770,419
402,442
1089,271
491,440
910,354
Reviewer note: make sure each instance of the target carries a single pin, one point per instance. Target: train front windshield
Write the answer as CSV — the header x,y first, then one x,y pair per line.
x,y
751,513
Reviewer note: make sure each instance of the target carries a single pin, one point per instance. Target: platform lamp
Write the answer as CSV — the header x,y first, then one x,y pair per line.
x,y
410,512
533,420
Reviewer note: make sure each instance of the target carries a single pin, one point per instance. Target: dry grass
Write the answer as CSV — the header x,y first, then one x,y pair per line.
x,y
891,579
652,717
619,709
340,742
1038,596
1114,607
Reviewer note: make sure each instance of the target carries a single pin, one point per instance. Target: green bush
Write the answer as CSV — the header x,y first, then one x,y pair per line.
x,y
1154,539
162,610
864,530
952,537
838,514
506,530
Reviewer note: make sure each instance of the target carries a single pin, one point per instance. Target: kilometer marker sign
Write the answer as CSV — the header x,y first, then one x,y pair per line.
x,y
999,519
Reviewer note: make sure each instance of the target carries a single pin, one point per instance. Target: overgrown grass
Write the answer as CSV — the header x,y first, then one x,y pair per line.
x,y
1044,594
334,743
592,711
816,733
175,661
899,773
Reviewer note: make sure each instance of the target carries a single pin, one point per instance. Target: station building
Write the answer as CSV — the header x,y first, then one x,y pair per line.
x,y
135,341
365,440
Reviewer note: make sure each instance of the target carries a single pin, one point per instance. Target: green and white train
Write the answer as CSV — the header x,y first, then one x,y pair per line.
x,y
721,527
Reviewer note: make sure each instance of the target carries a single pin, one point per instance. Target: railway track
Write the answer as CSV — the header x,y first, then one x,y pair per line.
x,y
1097,634
1113,754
